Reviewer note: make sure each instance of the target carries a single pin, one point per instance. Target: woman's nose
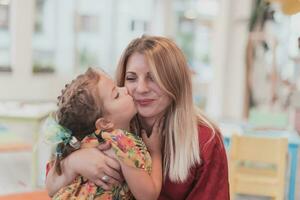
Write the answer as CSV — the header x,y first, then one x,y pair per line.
x,y
142,86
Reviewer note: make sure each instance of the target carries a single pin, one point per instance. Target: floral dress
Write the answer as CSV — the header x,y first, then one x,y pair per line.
x,y
129,148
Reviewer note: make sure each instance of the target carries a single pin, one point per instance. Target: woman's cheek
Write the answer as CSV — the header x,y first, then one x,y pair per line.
x,y
130,88
127,85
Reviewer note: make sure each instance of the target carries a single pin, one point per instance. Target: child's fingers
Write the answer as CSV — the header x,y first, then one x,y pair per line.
x,y
144,135
158,125
161,124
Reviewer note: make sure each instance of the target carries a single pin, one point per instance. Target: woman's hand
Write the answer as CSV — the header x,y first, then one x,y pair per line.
x,y
153,142
94,164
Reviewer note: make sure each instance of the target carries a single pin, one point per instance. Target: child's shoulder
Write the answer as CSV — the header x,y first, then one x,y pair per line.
x,y
129,148
120,133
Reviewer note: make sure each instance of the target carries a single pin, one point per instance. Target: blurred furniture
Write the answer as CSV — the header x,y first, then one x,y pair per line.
x,y
31,114
295,102
264,119
9,142
293,147
258,166
36,195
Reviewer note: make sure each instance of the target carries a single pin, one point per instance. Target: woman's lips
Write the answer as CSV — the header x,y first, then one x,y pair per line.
x,y
144,102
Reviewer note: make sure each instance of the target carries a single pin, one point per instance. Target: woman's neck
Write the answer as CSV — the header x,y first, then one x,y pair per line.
x,y
147,123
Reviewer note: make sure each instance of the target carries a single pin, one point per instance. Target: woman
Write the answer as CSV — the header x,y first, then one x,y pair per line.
x,y
156,74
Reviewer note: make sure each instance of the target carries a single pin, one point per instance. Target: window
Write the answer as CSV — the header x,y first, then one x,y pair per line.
x,y
194,22
44,41
5,40
89,39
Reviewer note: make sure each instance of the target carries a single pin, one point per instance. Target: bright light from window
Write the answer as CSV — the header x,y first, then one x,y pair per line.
x,y
4,2
208,7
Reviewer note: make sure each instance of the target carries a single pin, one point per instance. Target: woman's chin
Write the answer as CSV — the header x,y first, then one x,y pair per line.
x,y
146,115
149,112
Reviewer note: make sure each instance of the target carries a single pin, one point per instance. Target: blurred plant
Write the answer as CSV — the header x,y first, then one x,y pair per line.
x,y
42,68
43,61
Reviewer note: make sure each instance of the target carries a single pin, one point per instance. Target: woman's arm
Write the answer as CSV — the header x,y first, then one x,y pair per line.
x,y
54,182
91,163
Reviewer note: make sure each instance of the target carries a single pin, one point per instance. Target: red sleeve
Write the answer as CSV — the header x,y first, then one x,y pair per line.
x,y
211,181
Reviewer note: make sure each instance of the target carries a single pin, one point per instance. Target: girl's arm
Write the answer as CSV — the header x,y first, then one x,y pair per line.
x,y
141,184
91,163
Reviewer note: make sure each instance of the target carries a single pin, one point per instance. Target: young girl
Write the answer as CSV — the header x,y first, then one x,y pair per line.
x,y
92,110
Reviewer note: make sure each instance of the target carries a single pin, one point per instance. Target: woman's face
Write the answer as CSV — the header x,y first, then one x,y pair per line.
x,y
150,100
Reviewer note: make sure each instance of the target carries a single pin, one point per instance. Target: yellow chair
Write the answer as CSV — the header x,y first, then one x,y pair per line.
x,y
258,166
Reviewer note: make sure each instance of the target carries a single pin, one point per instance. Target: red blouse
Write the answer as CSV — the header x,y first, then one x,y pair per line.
x,y
207,181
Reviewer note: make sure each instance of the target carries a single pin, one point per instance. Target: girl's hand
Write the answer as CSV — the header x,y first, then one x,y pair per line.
x,y
93,164
153,142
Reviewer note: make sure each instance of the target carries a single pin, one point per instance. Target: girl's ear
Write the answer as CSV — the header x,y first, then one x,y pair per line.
x,y
104,124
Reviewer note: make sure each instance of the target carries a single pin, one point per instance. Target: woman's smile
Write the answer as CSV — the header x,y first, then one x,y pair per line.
x,y
144,102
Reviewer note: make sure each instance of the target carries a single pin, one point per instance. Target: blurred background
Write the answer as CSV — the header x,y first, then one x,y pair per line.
x,y
244,55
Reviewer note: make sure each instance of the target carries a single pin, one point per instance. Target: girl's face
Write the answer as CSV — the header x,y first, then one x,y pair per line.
x,y
118,104
150,100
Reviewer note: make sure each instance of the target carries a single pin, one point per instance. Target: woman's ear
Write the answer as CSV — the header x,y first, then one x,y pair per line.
x,y
104,124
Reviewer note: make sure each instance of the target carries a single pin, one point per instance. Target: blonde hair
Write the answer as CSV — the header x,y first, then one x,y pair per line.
x,y
170,70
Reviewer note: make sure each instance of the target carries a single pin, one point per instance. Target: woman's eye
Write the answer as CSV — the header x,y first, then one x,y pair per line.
x,y
150,77
117,96
130,78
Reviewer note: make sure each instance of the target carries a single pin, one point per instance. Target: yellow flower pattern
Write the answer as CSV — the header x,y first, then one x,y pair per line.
x,y
129,148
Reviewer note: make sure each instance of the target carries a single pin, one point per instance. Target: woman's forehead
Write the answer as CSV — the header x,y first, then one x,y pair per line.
x,y
137,62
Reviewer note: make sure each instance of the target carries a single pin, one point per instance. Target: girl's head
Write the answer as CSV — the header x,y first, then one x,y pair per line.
x,y
79,105
90,102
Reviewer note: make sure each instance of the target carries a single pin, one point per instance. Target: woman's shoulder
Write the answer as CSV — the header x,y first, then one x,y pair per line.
x,y
207,134
210,139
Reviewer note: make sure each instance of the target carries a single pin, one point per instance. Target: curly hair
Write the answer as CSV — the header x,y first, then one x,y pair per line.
x,y
79,106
